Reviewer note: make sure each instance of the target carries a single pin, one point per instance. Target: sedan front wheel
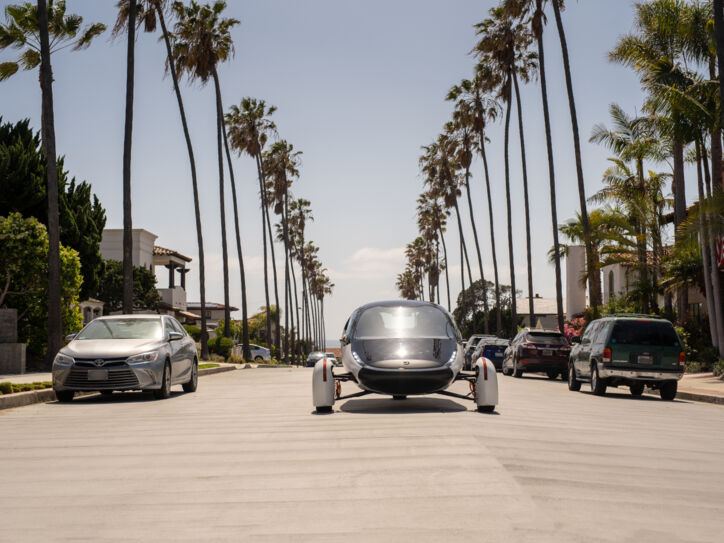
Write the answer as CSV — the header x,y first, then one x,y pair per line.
x,y
165,390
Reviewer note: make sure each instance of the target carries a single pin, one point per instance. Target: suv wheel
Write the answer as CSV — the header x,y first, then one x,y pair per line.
x,y
598,386
516,372
573,383
552,374
668,390
636,389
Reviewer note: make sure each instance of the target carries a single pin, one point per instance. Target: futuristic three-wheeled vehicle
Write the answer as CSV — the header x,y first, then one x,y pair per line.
x,y
403,348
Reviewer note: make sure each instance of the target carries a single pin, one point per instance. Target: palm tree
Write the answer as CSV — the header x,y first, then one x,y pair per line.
x,y
249,129
431,222
39,31
149,13
127,141
534,10
485,108
719,29
299,214
503,48
593,275
282,165
462,136
202,40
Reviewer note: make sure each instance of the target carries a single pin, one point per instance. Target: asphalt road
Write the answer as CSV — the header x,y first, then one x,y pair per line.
x,y
245,458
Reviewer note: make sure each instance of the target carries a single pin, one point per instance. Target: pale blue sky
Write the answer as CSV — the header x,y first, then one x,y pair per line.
x,y
360,87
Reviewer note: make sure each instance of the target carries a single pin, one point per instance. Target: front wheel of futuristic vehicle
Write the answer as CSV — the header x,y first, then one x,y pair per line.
x,y
573,383
64,396
323,386
193,381
165,390
668,390
486,386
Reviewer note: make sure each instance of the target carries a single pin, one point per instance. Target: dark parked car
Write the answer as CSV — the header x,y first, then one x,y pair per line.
x,y
537,351
492,349
470,346
628,350
313,357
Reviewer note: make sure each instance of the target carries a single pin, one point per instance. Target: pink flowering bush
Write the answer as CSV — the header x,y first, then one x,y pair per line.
x,y
574,328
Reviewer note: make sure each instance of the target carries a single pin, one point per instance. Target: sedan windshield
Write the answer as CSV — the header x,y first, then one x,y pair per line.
x,y
424,322
122,329
542,337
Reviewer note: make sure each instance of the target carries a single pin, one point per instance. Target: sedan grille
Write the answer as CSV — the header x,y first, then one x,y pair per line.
x,y
117,377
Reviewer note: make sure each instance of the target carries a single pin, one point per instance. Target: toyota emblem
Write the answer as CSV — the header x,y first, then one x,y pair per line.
x,y
99,362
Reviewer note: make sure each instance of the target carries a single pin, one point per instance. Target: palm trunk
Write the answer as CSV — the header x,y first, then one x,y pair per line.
x,y
297,351
262,196
288,317
464,247
499,311
704,241
593,274
551,179
127,139
222,208
682,294
640,226
273,258
246,351
55,319
715,274
195,188
447,276
486,309
511,259
462,268
531,303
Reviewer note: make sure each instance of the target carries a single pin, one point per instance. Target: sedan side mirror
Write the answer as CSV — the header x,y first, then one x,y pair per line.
x,y
576,339
173,336
70,337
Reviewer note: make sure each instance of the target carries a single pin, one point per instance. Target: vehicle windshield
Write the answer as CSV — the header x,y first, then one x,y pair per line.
x,y
313,356
422,322
122,329
547,337
644,333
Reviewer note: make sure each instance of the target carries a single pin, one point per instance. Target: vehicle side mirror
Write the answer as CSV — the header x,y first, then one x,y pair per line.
x,y
70,337
576,339
173,336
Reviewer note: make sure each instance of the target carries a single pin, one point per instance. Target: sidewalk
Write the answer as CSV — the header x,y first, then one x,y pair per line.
x,y
702,387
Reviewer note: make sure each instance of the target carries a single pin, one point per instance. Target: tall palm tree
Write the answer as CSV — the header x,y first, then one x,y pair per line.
x,y
431,222
533,10
150,13
249,128
38,31
593,275
300,213
485,108
127,141
463,138
202,40
718,6
282,166
503,47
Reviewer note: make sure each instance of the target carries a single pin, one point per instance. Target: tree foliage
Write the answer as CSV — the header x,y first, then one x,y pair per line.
x,y
110,289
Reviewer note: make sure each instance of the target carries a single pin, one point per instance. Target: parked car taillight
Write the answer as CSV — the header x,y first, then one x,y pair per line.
x,y
529,349
607,356
682,359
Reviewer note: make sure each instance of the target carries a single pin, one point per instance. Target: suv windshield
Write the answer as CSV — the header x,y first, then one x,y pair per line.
x,y
644,333
122,329
547,337
423,322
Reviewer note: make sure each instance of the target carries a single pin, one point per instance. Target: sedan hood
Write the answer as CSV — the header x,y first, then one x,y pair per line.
x,y
110,348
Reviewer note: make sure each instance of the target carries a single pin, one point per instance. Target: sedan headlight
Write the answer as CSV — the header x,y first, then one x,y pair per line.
x,y
63,360
150,356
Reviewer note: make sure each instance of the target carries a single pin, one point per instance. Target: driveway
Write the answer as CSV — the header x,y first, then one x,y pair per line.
x,y
245,458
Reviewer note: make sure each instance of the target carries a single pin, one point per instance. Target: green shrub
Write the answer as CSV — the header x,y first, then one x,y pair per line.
x,y
718,368
221,346
6,388
193,331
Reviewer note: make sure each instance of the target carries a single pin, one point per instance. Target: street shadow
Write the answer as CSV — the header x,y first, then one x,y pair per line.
x,y
388,406
134,396
622,395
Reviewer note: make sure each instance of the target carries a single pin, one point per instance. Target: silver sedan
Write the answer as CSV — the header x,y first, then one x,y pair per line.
x,y
127,352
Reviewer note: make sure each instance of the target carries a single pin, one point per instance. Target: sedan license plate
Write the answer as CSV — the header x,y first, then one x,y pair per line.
x,y
547,352
97,375
646,359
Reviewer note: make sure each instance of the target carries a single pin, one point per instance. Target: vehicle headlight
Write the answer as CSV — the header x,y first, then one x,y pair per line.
x,y
63,360
452,358
150,356
357,358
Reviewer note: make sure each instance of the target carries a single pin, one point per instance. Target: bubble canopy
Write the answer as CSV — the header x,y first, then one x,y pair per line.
x,y
404,321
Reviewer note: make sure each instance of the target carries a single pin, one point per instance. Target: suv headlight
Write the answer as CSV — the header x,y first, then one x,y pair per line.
x,y
63,360
150,356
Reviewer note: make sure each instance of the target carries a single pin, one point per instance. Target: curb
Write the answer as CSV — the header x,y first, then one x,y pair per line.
x,y
20,399
692,397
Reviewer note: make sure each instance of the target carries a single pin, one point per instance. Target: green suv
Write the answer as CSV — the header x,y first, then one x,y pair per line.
x,y
628,350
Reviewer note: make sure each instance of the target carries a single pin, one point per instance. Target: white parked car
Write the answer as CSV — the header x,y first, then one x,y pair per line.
x,y
259,353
